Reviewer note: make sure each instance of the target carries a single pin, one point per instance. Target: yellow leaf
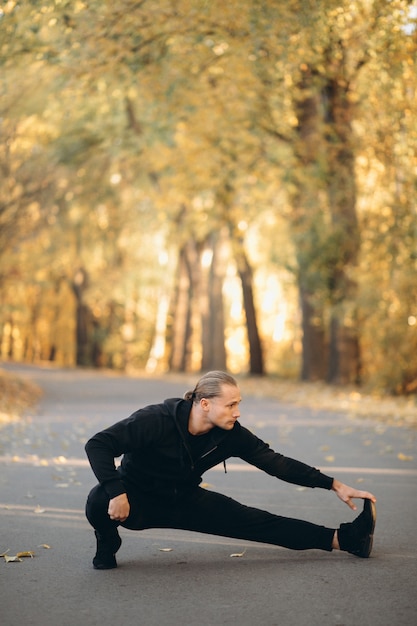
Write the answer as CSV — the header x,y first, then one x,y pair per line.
x,y
44,545
405,457
28,553
329,458
39,509
238,554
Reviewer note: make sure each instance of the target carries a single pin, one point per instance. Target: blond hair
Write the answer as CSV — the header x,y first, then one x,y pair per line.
x,y
210,386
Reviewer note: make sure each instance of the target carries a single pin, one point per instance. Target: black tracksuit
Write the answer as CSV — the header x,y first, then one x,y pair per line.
x,y
161,470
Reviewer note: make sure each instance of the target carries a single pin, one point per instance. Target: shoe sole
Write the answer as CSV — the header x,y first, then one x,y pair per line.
x,y
367,548
102,566
104,561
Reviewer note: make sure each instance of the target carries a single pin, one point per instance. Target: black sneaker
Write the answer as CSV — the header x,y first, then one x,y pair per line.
x,y
107,546
357,537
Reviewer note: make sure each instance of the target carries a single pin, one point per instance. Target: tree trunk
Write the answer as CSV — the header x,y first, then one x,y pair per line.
x,y
344,362
83,318
314,359
309,231
344,355
180,314
256,358
212,314
326,250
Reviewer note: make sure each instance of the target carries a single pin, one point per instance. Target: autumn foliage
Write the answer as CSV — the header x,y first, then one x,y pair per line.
x,y
191,184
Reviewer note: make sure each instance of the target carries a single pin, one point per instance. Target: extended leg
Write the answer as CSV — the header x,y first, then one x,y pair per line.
x,y
216,514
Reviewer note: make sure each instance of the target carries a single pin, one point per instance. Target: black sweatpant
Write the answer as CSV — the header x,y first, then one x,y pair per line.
x,y
208,512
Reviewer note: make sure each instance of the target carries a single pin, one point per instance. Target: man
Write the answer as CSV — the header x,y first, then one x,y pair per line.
x,y
167,447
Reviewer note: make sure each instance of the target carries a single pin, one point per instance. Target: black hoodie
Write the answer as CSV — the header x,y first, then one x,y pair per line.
x,y
160,456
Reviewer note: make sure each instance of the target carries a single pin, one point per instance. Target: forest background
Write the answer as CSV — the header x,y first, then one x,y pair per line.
x,y
193,184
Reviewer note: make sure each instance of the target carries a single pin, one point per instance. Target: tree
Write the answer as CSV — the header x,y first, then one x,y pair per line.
x,y
330,44
153,127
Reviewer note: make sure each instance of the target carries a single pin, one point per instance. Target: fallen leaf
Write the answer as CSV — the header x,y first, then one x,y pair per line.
x,y
238,554
405,457
12,559
165,549
39,509
27,554
44,545
329,458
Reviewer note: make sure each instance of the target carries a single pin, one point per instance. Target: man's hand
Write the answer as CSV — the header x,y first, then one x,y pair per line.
x,y
346,493
119,508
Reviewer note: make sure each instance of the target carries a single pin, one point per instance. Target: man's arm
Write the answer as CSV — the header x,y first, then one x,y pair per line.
x,y
134,432
101,453
260,454
255,451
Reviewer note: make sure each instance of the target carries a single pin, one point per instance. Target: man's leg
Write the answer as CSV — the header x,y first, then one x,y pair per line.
x,y
146,511
213,513
105,530
216,514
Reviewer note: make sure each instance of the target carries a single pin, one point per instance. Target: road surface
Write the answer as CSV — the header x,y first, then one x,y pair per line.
x,y
174,578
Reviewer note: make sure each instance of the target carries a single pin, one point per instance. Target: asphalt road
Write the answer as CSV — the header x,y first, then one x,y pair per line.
x,y
44,480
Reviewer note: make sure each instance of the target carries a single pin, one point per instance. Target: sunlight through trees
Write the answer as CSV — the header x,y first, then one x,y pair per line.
x,y
192,184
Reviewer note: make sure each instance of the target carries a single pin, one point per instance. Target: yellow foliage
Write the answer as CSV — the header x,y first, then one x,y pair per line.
x,y
129,123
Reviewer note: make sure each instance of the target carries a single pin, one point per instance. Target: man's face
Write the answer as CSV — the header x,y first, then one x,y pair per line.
x,y
223,411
